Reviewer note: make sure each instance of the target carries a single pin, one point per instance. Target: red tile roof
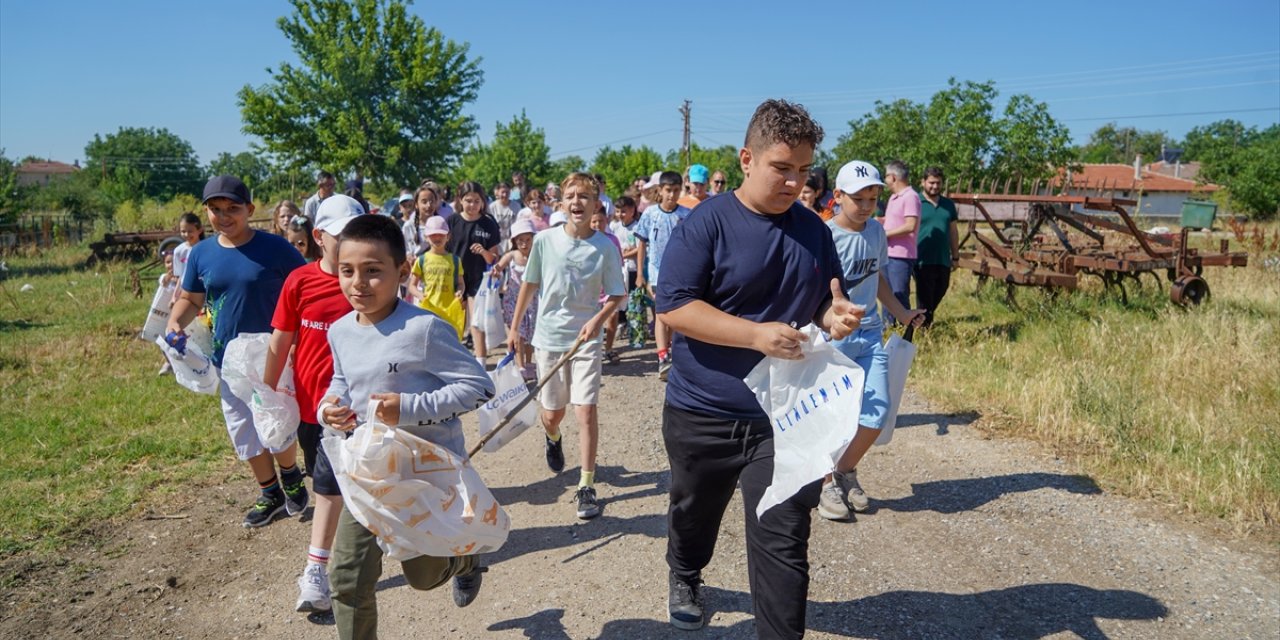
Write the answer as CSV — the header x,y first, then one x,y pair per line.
x,y
47,167
1119,177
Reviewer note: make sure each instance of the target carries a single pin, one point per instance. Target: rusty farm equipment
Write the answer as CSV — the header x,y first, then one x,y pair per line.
x,y
1050,241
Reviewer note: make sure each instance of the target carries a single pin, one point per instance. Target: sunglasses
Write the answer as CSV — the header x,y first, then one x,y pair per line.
x,y
717,182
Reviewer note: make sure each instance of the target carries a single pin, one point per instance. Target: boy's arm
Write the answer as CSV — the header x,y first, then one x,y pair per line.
x,y
277,356
184,311
884,293
334,410
466,385
609,310
641,253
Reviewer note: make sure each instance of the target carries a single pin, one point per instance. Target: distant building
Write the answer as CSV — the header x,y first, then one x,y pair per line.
x,y
1156,187
40,173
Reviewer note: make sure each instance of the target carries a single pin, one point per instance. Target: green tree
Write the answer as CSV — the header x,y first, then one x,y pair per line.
x,y
378,93
562,167
620,166
252,168
137,162
1215,143
958,129
723,158
10,197
1120,145
516,146
1245,162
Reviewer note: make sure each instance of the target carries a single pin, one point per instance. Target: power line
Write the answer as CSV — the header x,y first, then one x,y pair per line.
x,y
605,144
1170,115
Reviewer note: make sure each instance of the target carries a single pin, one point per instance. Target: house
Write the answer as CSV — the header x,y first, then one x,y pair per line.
x,y
1158,193
39,173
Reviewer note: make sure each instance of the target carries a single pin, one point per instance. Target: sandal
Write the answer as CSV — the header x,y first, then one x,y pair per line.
x,y
612,357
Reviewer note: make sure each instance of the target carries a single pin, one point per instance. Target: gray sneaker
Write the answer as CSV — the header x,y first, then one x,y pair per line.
x,y
831,503
313,590
853,493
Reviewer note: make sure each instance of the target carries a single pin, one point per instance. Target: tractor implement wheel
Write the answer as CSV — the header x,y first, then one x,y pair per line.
x,y
1189,291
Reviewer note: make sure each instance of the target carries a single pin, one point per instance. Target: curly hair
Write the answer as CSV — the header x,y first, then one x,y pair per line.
x,y
780,121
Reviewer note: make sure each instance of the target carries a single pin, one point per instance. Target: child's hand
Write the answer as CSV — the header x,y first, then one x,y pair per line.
x,y
914,317
457,294
337,417
388,408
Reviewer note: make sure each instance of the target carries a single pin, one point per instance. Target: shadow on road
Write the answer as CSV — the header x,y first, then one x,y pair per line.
x,y
955,496
943,421
1025,612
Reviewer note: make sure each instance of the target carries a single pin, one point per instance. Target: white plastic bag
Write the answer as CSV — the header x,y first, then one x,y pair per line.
x,y
511,390
417,497
199,334
488,311
158,315
275,411
901,353
814,404
191,367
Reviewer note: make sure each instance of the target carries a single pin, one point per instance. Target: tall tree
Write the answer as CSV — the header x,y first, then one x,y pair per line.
x,y
1112,144
516,146
1244,161
1216,142
252,168
723,158
620,166
959,130
378,93
9,196
137,162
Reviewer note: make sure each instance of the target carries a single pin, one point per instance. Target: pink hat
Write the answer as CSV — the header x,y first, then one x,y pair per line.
x,y
521,227
436,226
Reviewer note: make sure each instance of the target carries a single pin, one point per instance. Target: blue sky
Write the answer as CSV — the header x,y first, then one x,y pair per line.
x,y
597,73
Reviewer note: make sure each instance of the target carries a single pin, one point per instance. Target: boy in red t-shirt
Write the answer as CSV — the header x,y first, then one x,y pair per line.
x,y
310,301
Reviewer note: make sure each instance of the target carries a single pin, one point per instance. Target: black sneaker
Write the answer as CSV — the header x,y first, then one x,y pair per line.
x,y
555,454
264,510
684,603
588,506
467,586
296,498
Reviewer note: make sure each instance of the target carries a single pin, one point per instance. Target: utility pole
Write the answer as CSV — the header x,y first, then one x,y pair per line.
x,y
684,148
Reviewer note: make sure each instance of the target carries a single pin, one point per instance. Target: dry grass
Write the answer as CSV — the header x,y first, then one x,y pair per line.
x,y
1154,400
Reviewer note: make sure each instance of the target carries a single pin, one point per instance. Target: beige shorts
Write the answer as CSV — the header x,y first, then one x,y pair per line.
x,y
577,382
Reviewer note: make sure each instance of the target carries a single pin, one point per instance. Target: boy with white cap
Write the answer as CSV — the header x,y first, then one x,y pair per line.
x,y
310,301
239,274
863,248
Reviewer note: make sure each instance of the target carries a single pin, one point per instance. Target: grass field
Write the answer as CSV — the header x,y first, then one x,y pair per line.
x,y
1181,405
1152,400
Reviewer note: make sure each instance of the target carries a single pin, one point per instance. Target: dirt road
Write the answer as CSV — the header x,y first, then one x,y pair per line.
x,y
968,538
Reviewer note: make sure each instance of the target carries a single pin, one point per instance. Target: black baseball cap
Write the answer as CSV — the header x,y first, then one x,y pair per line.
x,y
229,187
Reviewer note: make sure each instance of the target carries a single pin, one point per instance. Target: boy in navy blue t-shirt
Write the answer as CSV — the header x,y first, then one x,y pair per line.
x,y
238,275
741,275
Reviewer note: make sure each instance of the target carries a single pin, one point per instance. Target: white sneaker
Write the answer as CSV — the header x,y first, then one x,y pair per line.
x,y
313,589
165,368
853,493
831,502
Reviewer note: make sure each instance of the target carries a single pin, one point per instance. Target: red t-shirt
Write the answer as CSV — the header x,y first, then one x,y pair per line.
x,y
309,302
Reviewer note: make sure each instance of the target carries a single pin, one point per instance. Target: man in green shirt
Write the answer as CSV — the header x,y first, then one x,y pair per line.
x,y
937,243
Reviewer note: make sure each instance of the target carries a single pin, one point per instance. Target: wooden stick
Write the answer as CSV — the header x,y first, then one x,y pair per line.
x,y
533,393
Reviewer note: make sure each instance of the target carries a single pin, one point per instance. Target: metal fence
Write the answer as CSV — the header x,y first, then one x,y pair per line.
x,y
48,231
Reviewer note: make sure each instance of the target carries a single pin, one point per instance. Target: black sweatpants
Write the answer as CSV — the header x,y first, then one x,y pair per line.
x,y
932,282
709,456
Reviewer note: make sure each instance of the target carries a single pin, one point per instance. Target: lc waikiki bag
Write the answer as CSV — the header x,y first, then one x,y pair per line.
x,y
416,496
901,352
814,404
275,411
191,367
511,390
488,311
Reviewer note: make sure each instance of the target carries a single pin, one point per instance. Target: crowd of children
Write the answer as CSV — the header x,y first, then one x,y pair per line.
x,y
350,299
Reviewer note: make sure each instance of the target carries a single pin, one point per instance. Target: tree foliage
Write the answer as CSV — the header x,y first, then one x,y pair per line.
x,y
1245,161
562,167
516,146
9,197
723,158
251,168
959,130
620,166
1112,144
378,93
137,162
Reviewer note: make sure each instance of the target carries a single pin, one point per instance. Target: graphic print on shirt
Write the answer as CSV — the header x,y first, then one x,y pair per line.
x,y
860,270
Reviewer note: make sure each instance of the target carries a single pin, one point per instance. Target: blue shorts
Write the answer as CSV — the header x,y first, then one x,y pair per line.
x,y
865,349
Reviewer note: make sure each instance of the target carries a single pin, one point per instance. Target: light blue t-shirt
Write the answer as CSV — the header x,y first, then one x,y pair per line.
x,y
863,255
570,274
655,229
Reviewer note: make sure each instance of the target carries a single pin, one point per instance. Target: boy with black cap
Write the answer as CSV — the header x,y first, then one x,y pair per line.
x,y
238,275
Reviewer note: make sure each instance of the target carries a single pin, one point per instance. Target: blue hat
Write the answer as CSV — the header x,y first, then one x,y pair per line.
x,y
229,187
698,173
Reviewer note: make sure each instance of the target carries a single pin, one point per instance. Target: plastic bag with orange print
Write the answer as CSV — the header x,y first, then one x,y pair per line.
x,y
416,496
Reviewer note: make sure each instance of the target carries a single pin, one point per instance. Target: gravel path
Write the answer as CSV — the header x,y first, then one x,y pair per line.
x,y
968,537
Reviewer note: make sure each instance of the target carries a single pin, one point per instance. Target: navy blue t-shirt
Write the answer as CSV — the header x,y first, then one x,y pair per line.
x,y
764,268
241,284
